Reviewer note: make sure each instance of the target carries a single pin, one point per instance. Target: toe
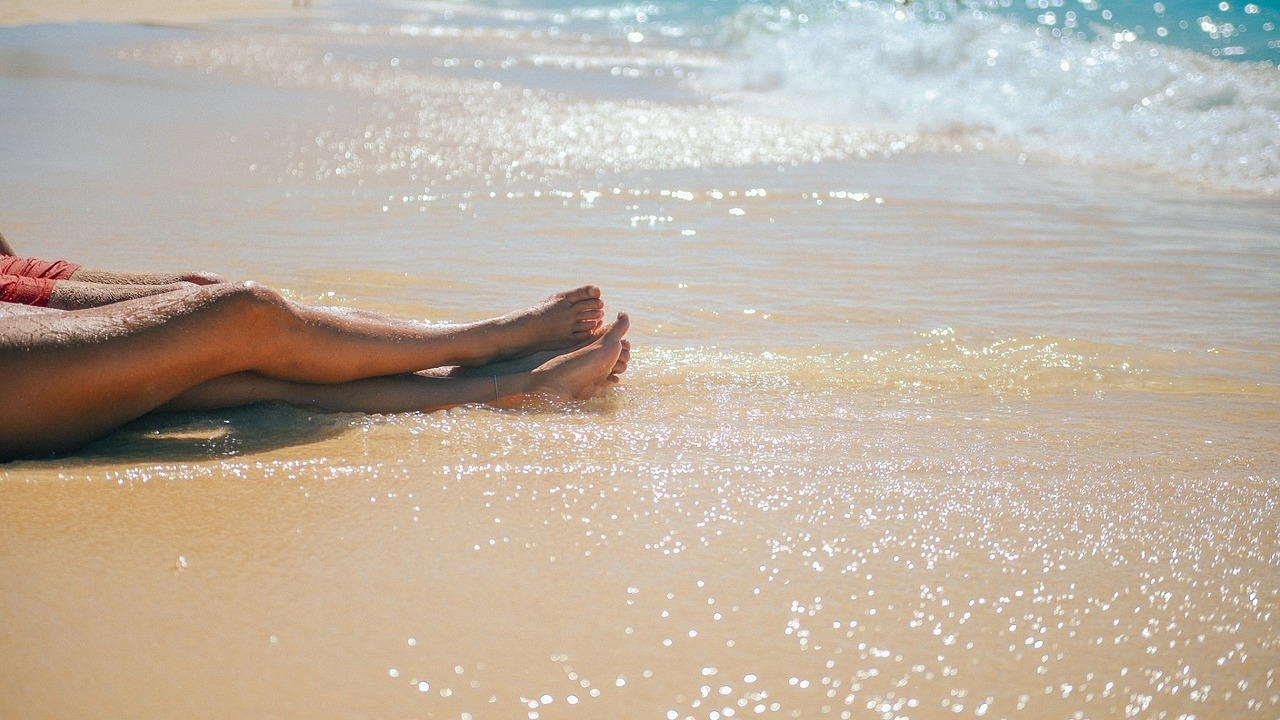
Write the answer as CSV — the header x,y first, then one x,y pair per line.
x,y
586,293
618,330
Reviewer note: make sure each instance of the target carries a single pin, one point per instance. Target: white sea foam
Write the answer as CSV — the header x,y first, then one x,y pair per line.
x,y
862,80
988,78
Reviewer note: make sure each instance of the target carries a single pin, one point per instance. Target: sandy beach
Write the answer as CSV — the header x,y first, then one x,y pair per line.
x,y
164,12
920,424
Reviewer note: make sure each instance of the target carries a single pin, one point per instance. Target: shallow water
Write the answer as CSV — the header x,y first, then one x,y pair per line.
x,y
921,429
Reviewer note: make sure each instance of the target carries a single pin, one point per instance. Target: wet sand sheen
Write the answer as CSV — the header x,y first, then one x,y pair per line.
x,y
474,578
954,453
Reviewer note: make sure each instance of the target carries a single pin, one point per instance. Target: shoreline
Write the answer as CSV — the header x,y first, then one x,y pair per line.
x,y
33,12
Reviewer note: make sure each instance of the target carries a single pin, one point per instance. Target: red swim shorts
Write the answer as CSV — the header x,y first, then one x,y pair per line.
x,y
30,282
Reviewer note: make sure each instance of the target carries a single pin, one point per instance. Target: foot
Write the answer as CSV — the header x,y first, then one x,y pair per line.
x,y
584,372
561,321
535,360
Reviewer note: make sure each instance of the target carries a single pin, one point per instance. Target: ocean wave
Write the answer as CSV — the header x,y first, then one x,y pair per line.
x,y
988,78
593,91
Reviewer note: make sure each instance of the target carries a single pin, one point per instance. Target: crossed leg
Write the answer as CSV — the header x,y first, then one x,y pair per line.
x,y
73,376
499,383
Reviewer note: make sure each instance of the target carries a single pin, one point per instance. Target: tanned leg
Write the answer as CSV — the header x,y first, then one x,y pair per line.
x,y
561,321
502,383
73,376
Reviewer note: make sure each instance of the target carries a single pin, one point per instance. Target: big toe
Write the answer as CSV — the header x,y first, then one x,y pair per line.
x,y
618,330
586,292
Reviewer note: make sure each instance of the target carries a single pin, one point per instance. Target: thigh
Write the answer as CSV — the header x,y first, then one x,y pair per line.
x,y
13,310
72,376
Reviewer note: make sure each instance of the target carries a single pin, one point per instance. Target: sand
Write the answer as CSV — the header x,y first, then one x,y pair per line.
x,y
22,12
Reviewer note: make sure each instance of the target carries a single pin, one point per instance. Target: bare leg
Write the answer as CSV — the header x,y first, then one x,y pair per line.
x,y
114,277
77,375
561,321
576,374
76,295
519,364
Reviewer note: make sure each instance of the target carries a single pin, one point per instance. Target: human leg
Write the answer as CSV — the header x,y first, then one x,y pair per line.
x,y
77,375
116,277
519,364
562,321
575,374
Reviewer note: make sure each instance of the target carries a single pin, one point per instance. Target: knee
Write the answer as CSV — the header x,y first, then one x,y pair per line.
x,y
247,292
246,299
254,310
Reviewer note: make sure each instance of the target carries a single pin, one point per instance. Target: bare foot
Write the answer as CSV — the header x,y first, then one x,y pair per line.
x,y
534,360
583,373
561,321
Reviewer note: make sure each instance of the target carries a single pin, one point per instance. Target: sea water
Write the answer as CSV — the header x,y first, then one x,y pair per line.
x,y
955,392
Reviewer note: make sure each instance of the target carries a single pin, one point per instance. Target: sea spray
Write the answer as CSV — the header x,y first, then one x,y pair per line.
x,y
981,78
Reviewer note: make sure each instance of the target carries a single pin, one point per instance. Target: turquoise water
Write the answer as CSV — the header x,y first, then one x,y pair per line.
x,y
1236,30
1184,87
